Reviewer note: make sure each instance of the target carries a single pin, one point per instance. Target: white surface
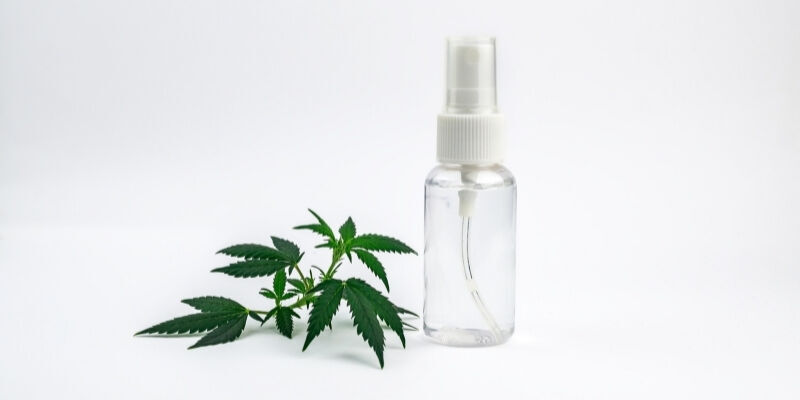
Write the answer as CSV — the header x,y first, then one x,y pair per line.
x,y
657,149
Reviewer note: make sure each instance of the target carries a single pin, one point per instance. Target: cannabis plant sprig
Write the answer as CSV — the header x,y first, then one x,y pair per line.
x,y
223,320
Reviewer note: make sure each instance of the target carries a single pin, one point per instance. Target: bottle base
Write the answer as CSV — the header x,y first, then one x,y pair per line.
x,y
458,337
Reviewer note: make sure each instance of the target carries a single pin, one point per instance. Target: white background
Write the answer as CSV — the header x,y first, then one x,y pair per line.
x,y
656,147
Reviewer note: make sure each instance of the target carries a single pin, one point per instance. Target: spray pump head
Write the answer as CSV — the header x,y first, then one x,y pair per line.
x,y
470,128
471,77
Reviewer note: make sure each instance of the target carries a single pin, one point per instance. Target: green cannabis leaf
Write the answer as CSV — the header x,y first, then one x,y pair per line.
x,y
375,242
252,268
325,307
213,304
374,265
223,320
253,251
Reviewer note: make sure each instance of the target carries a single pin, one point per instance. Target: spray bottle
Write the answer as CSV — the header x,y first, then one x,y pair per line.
x,y
470,208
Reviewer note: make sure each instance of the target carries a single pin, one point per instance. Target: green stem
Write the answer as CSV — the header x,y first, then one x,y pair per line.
x,y
296,268
336,256
334,260
302,301
299,303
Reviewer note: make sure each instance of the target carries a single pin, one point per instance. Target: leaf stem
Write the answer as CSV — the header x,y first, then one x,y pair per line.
x,y
299,303
302,301
296,268
337,255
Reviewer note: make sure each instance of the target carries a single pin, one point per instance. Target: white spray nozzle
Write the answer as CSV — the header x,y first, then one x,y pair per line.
x,y
471,83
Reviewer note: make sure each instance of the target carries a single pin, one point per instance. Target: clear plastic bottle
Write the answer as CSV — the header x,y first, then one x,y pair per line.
x,y
470,209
